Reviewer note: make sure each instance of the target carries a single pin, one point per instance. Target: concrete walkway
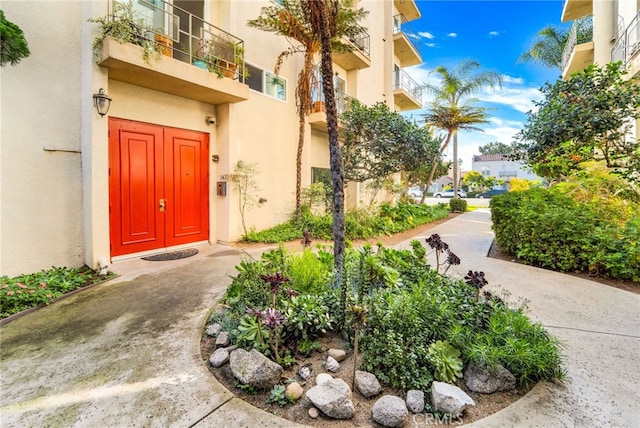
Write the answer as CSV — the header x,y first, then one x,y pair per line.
x,y
127,353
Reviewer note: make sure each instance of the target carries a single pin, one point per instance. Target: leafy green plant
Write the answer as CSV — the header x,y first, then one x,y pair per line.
x,y
308,317
278,395
307,346
26,291
446,361
13,45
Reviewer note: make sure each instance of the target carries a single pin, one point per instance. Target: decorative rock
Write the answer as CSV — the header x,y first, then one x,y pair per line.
x,y
219,358
367,384
449,399
333,398
332,365
415,401
304,372
213,329
313,413
390,411
323,378
231,348
253,368
337,354
293,392
223,339
480,379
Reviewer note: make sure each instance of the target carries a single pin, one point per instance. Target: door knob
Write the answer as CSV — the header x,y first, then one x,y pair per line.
x,y
162,204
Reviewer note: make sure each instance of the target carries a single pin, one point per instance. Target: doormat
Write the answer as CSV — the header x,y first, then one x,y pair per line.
x,y
174,255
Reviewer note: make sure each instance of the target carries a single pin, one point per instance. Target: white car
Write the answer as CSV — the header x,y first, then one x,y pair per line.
x,y
449,194
415,192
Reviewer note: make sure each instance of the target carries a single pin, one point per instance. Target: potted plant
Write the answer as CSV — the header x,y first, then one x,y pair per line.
x,y
220,56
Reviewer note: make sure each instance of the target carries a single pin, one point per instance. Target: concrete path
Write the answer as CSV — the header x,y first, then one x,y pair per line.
x,y
127,353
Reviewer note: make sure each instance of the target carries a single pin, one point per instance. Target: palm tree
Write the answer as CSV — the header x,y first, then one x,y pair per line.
x,y
452,109
547,48
288,19
323,16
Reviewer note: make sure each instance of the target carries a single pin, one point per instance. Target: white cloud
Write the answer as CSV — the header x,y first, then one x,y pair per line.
x,y
413,36
518,98
510,79
430,45
494,33
426,35
452,35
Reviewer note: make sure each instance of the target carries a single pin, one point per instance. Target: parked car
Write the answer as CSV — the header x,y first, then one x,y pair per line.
x,y
415,192
449,194
491,193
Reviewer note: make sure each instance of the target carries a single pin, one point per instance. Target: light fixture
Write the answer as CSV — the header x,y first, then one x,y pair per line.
x,y
102,102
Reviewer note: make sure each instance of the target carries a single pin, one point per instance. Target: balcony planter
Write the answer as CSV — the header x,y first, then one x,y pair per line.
x,y
164,45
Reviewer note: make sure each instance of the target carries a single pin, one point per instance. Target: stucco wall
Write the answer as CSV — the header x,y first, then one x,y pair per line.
x,y
41,195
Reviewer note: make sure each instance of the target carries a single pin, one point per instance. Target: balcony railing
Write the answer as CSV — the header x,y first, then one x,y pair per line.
x,y
628,43
508,173
581,32
398,23
343,101
362,41
179,34
401,80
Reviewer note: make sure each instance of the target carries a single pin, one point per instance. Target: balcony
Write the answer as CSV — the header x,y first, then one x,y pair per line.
x,y
408,8
195,60
407,94
508,173
574,9
627,47
318,116
403,48
359,56
578,52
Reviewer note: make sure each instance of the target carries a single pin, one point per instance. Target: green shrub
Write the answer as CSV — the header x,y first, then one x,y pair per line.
x,y
458,205
308,274
26,291
548,228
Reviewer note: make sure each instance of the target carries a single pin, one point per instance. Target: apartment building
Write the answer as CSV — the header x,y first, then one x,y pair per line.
x,y
502,167
81,185
615,36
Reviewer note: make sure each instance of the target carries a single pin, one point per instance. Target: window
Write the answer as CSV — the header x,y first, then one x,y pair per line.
x,y
485,171
321,175
268,83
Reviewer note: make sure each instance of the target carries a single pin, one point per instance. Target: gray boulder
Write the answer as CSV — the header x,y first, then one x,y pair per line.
x,y
481,379
219,358
213,329
332,365
415,401
253,368
449,398
333,398
223,339
367,384
389,411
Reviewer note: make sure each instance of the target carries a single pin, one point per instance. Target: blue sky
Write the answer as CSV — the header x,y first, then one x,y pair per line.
x,y
494,33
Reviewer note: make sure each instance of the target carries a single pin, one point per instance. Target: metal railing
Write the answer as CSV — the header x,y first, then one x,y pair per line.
x,y
175,32
628,43
401,80
508,173
581,32
362,41
398,23
343,101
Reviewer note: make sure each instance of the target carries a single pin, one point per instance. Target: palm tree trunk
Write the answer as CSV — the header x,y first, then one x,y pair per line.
x,y
455,164
301,129
434,167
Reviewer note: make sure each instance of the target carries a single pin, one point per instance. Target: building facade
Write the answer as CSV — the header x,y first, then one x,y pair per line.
x,y
501,167
78,187
615,36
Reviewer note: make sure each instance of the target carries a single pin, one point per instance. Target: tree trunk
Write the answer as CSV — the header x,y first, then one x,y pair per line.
x,y
434,167
335,155
455,164
301,128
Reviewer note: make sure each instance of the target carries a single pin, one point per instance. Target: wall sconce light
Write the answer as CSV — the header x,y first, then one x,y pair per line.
x,y
215,158
102,102
262,200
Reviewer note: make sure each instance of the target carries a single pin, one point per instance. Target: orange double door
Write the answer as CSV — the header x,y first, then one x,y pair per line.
x,y
158,186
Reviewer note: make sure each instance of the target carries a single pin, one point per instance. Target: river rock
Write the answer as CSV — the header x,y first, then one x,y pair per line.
x,y
219,358
415,401
213,329
293,392
481,379
337,354
332,365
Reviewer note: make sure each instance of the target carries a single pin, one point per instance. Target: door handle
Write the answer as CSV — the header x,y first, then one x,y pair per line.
x,y
162,204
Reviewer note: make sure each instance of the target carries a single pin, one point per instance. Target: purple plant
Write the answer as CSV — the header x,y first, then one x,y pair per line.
x,y
439,246
273,319
275,281
477,280
306,238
